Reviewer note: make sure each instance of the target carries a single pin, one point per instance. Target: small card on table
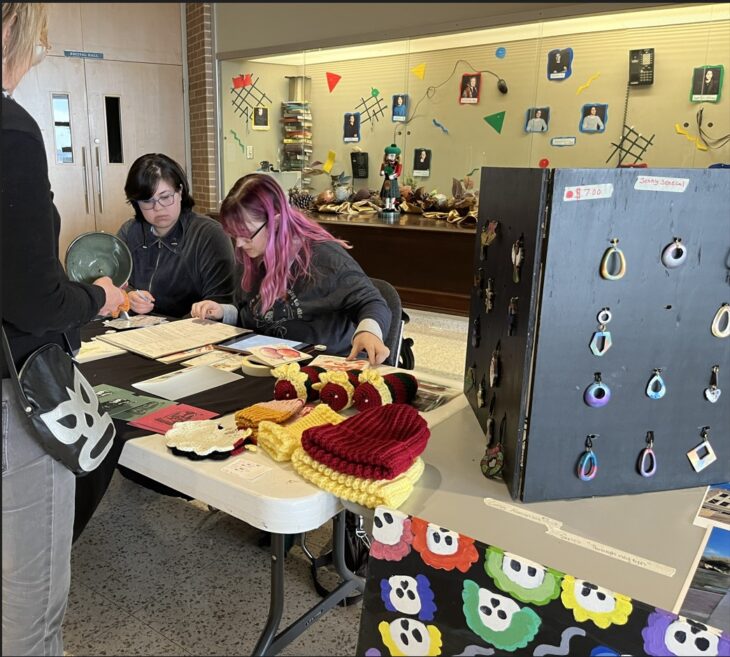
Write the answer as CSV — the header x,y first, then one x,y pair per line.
x,y
161,421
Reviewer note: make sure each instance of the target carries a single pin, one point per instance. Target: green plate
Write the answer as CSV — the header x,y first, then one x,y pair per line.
x,y
97,254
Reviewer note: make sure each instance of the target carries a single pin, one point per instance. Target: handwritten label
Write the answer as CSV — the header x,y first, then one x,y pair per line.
x,y
562,141
554,529
83,54
661,184
588,192
245,469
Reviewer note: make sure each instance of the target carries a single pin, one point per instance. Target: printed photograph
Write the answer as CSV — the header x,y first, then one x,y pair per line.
x,y
471,84
400,107
537,119
593,118
560,62
351,131
261,118
706,84
422,162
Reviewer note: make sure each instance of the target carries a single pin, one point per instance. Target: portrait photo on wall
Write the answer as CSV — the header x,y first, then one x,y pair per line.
x,y
260,118
421,162
593,117
537,119
560,62
351,130
471,84
400,107
707,84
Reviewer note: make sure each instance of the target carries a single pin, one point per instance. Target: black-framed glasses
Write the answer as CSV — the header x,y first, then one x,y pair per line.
x,y
166,199
256,232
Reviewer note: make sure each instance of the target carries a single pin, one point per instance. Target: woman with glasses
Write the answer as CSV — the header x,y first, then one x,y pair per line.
x,y
179,257
299,282
39,305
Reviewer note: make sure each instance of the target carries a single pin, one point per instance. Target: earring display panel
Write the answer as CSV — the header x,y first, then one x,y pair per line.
x,y
661,321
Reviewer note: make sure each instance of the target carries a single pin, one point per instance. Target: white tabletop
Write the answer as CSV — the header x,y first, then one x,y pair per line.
x,y
278,501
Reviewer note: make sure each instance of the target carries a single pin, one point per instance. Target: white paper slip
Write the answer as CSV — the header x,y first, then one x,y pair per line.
x,y
183,383
223,360
242,467
96,349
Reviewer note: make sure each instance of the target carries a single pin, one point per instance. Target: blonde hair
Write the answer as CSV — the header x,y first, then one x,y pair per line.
x,y
28,27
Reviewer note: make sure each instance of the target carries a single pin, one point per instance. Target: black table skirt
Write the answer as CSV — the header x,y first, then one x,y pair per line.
x,y
122,371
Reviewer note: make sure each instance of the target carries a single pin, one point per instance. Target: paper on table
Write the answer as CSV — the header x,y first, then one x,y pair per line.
x,y
222,360
96,349
164,339
245,469
183,383
339,363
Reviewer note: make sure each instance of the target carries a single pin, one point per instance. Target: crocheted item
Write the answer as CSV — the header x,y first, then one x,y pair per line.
x,y
295,382
337,388
276,411
367,492
200,439
379,443
374,389
279,442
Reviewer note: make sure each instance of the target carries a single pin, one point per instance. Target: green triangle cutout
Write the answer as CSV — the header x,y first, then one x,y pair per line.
x,y
496,121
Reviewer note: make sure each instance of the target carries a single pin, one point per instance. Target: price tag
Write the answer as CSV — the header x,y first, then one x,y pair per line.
x,y
661,184
245,469
588,192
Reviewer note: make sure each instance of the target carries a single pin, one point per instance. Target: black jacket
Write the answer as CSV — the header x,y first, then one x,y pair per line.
x,y
193,262
39,303
323,310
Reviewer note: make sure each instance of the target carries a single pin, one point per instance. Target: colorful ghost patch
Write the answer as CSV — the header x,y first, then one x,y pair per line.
x,y
441,548
591,602
521,578
669,634
497,619
408,595
406,636
392,535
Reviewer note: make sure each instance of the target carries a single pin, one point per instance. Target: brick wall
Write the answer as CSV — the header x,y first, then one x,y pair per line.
x,y
203,168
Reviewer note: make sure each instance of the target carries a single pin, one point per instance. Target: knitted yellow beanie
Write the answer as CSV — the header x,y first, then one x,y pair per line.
x,y
275,411
280,441
367,492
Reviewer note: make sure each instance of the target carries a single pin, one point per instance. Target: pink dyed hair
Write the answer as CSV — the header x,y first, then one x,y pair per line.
x,y
290,235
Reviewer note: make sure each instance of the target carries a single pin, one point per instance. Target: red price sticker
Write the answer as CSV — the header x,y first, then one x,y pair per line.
x,y
588,192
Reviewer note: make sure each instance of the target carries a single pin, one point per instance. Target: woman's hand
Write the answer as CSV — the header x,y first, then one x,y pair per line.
x,y
114,296
207,310
371,344
141,301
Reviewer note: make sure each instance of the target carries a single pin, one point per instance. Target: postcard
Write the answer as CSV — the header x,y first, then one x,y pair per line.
x,y
276,354
339,363
162,420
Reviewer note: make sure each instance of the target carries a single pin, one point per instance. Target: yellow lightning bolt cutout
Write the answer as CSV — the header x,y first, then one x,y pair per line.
x,y
585,86
696,140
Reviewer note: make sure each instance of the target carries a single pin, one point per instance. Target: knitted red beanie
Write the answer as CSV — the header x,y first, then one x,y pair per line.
x,y
337,389
295,382
377,390
379,443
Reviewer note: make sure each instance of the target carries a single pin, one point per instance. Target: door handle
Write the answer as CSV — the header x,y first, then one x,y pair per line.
x,y
99,180
86,182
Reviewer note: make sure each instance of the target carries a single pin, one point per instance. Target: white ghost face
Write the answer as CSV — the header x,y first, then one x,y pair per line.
x,y
410,636
523,572
687,637
441,541
388,526
496,611
594,598
404,594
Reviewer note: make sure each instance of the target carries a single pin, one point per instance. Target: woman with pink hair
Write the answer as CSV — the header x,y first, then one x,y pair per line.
x,y
299,282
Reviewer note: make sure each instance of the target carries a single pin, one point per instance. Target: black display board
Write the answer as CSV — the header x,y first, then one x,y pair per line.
x,y
661,318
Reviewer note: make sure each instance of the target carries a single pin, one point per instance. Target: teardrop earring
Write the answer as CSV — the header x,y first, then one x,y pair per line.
x,y
713,392
587,468
656,388
608,254
647,459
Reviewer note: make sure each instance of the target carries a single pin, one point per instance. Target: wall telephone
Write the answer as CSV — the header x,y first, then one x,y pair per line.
x,y
641,67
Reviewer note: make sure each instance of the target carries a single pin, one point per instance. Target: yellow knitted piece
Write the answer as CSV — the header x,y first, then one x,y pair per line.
x,y
339,378
375,379
276,411
292,372
279,442
367,492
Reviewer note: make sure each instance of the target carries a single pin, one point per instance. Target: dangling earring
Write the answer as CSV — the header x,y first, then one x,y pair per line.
x,y
656,388
476,333
518,256
605,261
702,455
493,459
722,311
601,341
495,366
597,394
674,254
470,378
489,296
647,459
712,394
588,462
512,316
482,392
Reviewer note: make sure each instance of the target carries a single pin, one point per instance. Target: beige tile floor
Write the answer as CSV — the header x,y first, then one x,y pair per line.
x,y
155,575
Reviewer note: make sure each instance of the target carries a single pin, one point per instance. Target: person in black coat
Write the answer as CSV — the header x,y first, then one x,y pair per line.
x,y
39,305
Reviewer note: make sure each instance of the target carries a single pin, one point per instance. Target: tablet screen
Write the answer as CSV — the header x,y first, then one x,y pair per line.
x,y
255,340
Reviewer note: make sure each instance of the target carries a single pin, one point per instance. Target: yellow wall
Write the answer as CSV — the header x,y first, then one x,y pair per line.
x,y
472,143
